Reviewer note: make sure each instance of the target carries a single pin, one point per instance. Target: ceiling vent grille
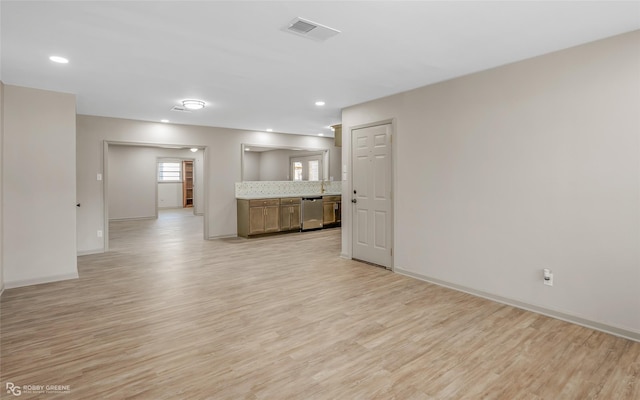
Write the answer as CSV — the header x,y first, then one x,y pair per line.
x,y
310,29
302,27
180,109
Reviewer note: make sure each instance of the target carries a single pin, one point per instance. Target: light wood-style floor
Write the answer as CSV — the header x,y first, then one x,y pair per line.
x,y
167,315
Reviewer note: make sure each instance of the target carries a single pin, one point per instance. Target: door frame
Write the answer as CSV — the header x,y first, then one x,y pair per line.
x,y
105,180
348,236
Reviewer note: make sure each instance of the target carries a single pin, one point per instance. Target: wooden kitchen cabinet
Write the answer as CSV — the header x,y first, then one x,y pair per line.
x,y
290,214
331,210
337,135
258,216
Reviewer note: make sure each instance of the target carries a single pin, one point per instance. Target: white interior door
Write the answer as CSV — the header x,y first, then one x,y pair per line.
x,y
371,162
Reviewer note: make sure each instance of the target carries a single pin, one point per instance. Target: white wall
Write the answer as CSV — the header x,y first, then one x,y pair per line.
x,y
170,195
39,186
528,166
1,185
132,180
274,165
251,166
222,166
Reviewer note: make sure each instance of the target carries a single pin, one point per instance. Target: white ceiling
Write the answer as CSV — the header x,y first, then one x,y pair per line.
x,y
137,59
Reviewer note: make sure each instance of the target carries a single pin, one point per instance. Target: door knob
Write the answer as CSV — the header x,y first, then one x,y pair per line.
x,y
354,200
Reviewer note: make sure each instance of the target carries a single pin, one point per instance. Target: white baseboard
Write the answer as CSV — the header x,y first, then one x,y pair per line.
x,y
231,235
598,326
132,219
88,252
37,281
345,256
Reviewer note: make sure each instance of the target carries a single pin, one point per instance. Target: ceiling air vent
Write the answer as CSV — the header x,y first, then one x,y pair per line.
x,y
310,29
180,109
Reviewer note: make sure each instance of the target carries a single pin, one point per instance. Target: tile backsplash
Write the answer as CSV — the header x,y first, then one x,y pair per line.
x,y
285,188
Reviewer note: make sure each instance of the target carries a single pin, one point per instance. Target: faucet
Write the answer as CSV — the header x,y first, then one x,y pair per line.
x,y
322,189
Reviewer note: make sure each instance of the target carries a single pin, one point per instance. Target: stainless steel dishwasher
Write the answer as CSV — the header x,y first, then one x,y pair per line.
x,y
311,213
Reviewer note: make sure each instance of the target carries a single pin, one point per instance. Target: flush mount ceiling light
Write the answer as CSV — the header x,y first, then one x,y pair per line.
x,y
247,149
164,121
269,130
320,134
193,104
194,149
320,103
59,60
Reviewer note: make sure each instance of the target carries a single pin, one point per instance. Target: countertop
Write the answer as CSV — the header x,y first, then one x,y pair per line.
x,y
283,196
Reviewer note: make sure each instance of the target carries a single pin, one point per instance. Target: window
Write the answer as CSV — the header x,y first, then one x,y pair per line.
x,y
314,170
307,168
297,171
169,171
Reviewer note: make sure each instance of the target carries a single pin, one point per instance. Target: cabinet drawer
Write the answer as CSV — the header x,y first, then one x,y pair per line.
x,y
331,198
264,202
290,200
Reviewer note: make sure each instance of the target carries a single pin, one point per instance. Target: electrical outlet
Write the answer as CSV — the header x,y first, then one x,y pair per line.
x,y
99,233
547,277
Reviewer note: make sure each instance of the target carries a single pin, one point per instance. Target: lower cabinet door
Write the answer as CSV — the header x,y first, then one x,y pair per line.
x,y
290,218
271,219
328,213
285,218
256,220
295,217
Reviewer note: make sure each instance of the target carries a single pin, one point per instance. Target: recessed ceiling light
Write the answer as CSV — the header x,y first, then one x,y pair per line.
x,y
320,103
59,60
269,130
247,149
193,104
332,128
164,120
193,149
320,134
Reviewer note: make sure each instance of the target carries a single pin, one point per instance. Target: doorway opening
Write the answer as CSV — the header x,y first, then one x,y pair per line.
x,y
138,189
